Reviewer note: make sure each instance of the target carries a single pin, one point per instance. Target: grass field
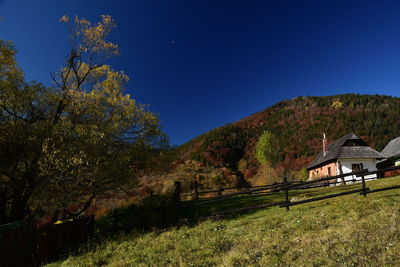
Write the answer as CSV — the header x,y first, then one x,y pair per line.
x,y
345,231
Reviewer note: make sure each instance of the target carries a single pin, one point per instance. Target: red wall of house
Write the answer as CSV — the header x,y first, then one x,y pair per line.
x,y
323,171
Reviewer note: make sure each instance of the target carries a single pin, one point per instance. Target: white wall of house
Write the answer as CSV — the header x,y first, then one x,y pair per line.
x,y
369,164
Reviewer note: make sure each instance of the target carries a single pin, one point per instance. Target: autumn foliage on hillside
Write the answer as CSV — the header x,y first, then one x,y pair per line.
x,y
298,125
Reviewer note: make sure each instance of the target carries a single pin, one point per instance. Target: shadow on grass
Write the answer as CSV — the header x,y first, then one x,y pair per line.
x,y
159,213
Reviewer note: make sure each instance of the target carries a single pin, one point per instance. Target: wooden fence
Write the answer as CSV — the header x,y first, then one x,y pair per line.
x,y
172,214
286,187
21,244
198,195
323,182
54,239
363,190
17,245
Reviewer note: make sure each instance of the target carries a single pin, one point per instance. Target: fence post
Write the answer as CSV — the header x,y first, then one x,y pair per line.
x,y
115,219
363,186
220,191
286,191
341,173
196,191
176,196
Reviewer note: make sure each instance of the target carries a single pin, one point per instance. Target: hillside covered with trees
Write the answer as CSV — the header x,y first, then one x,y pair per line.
x,y
297,126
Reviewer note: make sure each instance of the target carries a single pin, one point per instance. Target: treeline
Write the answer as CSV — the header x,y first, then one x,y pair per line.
x,y
297,125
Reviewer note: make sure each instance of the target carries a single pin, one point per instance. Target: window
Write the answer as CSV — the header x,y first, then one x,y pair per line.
x,y
329,171
356,167
355,142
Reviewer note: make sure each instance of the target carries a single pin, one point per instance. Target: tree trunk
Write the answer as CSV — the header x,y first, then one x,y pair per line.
x,y
3,212
17,209
19,206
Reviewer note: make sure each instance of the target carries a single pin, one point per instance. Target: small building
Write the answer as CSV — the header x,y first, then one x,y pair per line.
x,y
392,151
347,154
392,157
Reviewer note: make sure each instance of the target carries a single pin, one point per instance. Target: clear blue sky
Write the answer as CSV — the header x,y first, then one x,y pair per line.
x,y
201,64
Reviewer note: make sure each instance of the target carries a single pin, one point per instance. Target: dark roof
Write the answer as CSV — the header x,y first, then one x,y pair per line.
x,y
336,150
392,148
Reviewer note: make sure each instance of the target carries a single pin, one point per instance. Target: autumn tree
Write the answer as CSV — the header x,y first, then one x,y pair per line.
x,y
337,104
271,156
266,148
71,142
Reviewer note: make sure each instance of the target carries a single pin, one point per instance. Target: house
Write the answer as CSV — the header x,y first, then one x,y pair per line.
x,y
392,151
392,157
347,154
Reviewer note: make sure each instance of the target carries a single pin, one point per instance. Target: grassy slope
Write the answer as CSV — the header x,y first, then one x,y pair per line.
x,y
344,231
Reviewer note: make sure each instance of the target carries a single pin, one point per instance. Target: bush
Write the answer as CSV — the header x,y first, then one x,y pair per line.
x,y
153,212
301,175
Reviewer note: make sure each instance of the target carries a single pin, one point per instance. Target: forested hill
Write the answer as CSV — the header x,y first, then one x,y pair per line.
x,y
298,125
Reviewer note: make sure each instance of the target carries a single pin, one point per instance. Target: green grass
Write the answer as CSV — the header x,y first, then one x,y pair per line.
x,y
344,231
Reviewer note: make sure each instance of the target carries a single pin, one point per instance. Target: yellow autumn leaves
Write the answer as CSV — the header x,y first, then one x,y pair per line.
x,y
93,37
78,137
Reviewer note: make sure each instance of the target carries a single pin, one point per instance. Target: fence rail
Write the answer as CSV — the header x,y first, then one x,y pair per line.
x,y
288,204
195,194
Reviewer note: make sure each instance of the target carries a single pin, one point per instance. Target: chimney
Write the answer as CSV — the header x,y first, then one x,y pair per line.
x,y
325,145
